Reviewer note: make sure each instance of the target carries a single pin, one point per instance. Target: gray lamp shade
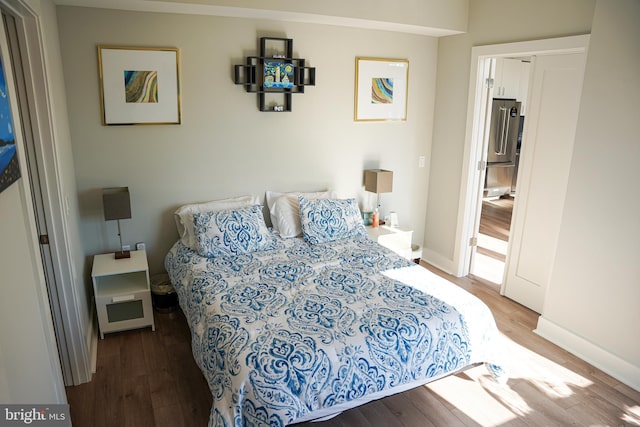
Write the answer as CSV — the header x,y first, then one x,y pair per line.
x,y
116,203
378,180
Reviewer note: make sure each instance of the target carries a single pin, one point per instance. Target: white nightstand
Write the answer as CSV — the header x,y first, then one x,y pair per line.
x,y
122,293
394,238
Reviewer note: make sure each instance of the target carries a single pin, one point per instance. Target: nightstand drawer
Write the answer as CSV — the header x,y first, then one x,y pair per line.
x,y
125,311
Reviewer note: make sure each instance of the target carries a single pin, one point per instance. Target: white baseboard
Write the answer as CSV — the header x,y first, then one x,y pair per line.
x,y
607,362
438,261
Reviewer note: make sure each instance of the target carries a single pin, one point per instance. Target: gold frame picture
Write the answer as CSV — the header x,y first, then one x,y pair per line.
x,y
381,89
139,85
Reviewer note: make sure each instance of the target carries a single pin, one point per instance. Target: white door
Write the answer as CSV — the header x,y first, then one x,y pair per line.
x,y
548,138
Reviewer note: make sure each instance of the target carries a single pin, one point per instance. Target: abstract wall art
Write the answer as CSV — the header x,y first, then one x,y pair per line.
x,y
139,85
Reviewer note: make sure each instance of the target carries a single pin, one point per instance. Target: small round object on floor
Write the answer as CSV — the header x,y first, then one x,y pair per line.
x,y
163,295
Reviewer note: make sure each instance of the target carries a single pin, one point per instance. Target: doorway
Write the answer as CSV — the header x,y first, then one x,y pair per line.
x,y
527,248
507,86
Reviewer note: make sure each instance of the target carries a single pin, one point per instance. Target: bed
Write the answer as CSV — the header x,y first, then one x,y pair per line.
x,y
296,329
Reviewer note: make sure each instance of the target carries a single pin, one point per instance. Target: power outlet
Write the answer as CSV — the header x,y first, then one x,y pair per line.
x,y
421,161
126,248
140,246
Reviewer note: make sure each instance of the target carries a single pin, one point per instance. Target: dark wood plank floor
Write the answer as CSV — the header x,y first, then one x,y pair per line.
x,y
147,378
144,378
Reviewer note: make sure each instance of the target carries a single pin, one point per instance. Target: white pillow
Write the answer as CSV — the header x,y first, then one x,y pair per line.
x,y
184,215
284,209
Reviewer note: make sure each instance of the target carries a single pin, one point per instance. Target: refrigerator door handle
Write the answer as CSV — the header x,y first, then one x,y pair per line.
x,y
502,121
506,135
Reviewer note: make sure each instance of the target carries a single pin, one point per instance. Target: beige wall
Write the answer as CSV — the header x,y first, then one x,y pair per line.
x,y
225,147
490,22
595,284
64,228
445,15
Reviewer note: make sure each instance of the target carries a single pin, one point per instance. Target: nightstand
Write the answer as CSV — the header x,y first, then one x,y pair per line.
x,y
122,293
394,238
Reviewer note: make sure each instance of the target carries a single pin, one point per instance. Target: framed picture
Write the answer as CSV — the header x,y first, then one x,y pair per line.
x,y
139,85
381,89
278,75
9,167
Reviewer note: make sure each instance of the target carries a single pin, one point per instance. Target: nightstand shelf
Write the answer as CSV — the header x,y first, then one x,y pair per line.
x,y
122,292
121,283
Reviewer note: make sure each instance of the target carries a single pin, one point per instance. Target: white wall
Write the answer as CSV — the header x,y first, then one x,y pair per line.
x,y
490,22
594,289
225,147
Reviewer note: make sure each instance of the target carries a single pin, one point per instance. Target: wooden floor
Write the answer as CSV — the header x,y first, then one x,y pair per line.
x,y
146,378
495,217
495,222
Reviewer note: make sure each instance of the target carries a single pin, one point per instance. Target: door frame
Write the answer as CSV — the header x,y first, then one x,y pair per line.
x,y
73,350
470,201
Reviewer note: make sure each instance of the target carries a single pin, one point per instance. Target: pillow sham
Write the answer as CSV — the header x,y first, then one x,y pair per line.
x,y
326,220
184,214
231,232
285,212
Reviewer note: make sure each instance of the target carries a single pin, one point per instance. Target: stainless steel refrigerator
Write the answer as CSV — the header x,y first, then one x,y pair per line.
x,y
502,147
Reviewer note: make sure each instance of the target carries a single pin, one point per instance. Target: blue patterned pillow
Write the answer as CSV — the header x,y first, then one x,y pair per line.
x,y
231,232
325,220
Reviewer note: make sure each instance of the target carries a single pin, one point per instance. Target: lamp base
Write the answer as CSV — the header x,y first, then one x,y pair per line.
x,y
123,254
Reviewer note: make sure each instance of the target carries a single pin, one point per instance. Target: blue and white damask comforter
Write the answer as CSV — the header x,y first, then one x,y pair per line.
x,y
305,331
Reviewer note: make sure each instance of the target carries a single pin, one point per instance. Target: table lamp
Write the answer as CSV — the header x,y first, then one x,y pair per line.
x,y
378,181
117,205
